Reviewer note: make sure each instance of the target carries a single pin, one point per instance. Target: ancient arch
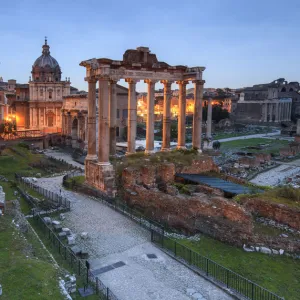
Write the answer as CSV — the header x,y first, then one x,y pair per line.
x,y
74,131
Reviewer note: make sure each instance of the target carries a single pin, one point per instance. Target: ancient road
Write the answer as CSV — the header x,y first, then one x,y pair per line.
x,y
114,238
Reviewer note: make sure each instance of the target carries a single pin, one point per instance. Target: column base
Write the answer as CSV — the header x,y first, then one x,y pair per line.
x,y
181,147
165,149
100,163
149,152
91,157
101,176
129,153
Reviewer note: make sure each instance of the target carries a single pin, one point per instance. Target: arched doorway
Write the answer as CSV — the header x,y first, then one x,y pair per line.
x,y
74,132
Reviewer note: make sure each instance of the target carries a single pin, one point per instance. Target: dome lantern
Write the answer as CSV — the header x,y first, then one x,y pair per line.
x,y
46,67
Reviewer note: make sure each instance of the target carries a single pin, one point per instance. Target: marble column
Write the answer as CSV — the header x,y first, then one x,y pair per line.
x,y
290,111
271,112
276,112
132,118
265,112
166,139
209,118
197,116
91,133
181,115
103,123
69,124
284,112
112,116
150,117
86,132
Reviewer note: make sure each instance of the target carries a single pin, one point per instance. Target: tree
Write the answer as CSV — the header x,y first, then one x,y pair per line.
x,y
216,145
7,128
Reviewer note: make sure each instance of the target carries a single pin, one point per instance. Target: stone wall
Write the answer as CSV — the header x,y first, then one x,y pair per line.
x,y
199,166
278,212
213,215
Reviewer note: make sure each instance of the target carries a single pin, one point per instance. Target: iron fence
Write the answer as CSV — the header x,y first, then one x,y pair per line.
x,y
77,265
53,200
213,270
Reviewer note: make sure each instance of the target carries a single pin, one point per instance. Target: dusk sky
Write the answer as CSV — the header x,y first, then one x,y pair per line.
x,y
240,42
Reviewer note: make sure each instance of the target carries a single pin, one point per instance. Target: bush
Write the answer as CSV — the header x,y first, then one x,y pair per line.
x,y
23,145
288,192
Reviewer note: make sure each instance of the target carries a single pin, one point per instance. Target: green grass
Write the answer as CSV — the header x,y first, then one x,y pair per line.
x,y
279,274
274,145
77,180
22,277
280,195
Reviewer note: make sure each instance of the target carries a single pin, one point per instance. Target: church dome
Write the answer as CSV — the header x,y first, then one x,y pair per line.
x,y
46,67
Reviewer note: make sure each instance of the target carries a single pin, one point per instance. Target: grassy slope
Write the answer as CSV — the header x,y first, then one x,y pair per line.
x,y
21,277
279,274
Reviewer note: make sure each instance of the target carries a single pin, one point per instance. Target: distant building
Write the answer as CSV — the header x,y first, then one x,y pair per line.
x,y
272,102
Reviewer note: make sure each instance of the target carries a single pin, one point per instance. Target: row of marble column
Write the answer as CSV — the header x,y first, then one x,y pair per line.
x,y
107,106
36,114
281,110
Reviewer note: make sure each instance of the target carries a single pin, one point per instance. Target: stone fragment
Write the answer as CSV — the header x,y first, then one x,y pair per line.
x,y
257,249
76,250
276,252
62,216
62,235
265,250
84,235
250,249
71,240
54,222
281,251
284,235
47,220
66,230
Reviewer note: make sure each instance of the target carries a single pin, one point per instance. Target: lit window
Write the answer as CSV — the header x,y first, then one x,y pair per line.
x,y
50,95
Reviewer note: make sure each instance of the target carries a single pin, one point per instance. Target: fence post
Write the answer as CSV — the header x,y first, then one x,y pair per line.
x,y
227,278
190,256
97,286
175,246
252,297
152,236
206,266
107,293
79,267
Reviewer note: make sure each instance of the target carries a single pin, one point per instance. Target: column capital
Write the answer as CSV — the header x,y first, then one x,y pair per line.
x,y
90,79
131,81
200,82
102,77
112,81
166,82
150,81
182,82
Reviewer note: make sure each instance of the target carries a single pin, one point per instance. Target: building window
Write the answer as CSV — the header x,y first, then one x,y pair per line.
x,y
58,92
125,113
41,92
50,95
118,114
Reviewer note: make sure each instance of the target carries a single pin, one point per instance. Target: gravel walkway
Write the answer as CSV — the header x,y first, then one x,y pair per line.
x,y
114,238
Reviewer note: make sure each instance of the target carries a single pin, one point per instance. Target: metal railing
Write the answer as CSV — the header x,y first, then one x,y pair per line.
x,y
54,200
207,267
220,275
77,265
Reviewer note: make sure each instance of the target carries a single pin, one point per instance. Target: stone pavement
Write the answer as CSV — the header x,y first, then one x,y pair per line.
x,y
65,156
114,238
276,175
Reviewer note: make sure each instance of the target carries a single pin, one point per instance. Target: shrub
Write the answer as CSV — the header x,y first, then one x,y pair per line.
x,y
23,145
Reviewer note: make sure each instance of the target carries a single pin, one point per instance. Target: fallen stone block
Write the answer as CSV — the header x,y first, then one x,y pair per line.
x,y
248,249
276,252
66,230
76,250
62,216
71,240
281,251
47,220
54,222
84,235
265,250
62,235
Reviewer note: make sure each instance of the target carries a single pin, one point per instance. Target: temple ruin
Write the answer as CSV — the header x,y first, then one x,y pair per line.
x,y
137,65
